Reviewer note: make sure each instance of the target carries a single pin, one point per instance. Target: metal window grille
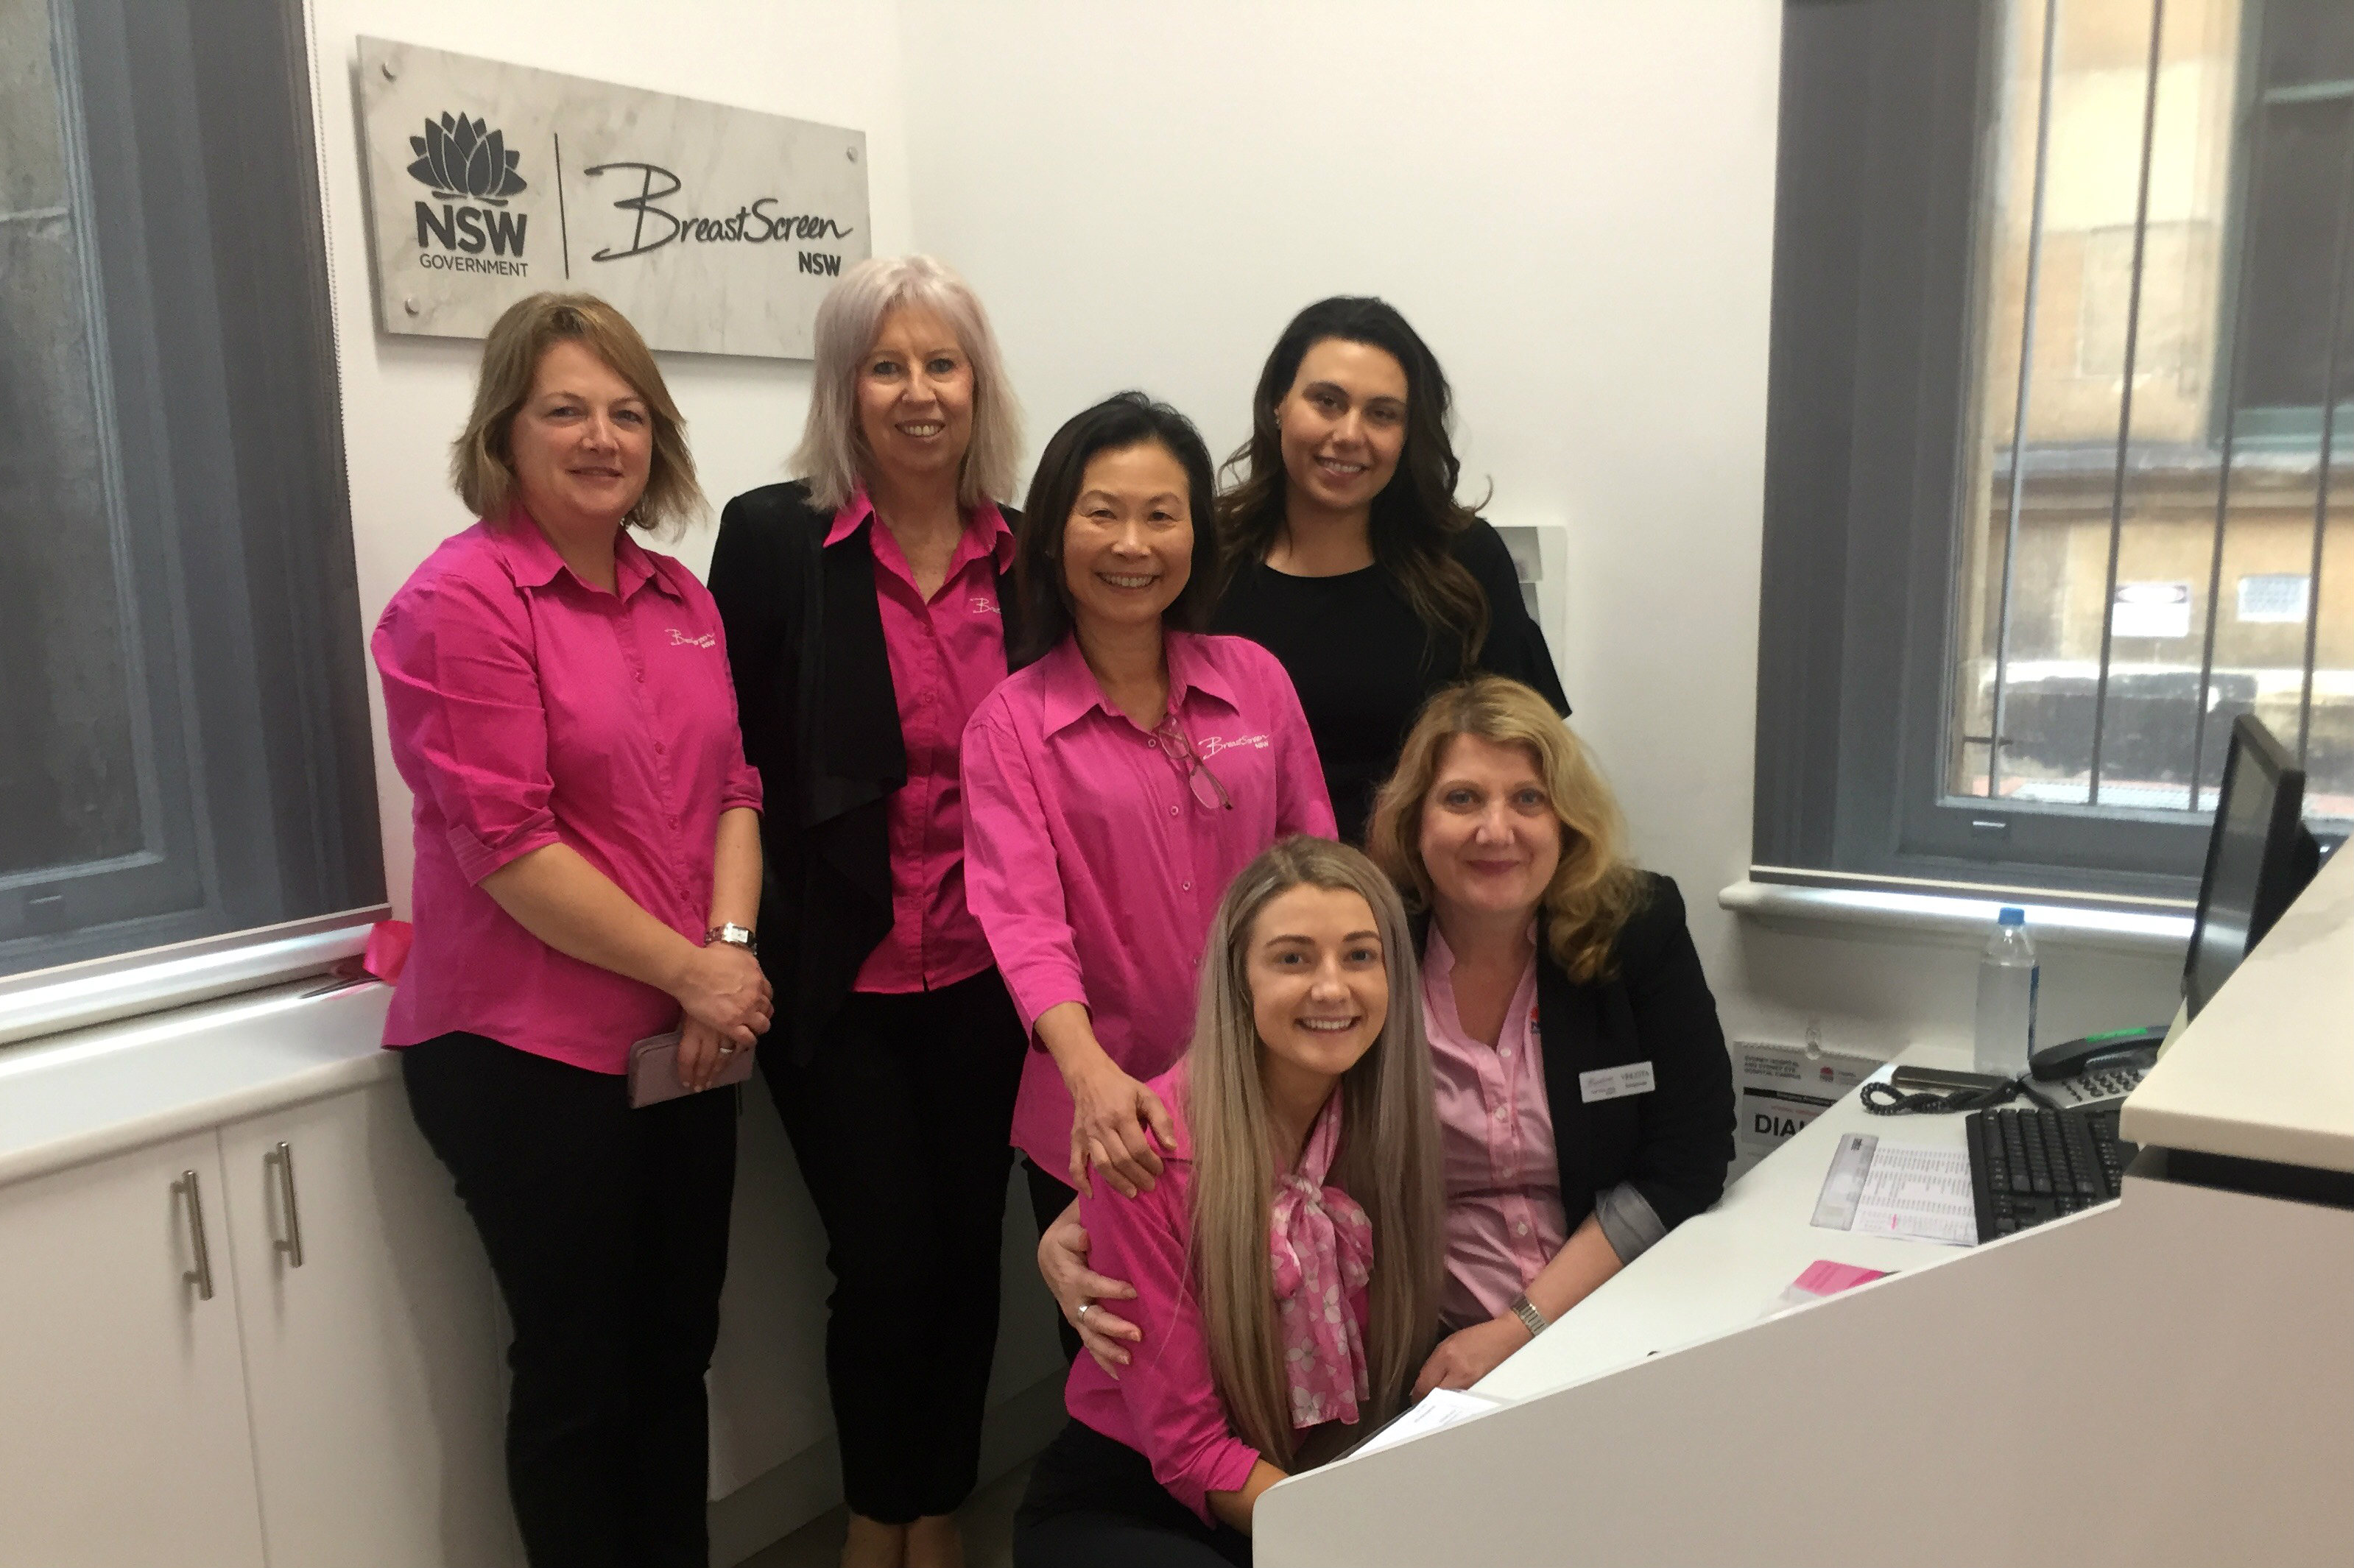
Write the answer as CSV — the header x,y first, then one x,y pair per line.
x,y
2283,270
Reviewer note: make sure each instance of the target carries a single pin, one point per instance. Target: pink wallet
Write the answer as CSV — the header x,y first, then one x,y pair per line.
x,y
653,1070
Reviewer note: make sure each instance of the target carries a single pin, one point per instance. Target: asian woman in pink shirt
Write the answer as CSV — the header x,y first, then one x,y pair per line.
x,y
1115,784
587,872
1287,1259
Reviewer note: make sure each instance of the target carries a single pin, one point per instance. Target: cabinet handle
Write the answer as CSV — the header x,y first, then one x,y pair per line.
x,y
283,1157
201,1277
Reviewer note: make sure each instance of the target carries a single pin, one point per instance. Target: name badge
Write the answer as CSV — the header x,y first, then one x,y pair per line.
x,y
1609,1083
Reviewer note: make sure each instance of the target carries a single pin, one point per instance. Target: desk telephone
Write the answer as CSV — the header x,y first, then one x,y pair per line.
x,y
2096,1070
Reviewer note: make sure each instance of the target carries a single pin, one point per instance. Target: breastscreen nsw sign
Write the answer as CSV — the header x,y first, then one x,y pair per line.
x,y
716,230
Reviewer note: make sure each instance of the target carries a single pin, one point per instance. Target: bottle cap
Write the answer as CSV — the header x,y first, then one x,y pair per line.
x,y
2011,916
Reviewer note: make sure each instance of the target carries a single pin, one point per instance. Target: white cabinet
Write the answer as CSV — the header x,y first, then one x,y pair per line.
x,y
372,1365
346,1410
123,1437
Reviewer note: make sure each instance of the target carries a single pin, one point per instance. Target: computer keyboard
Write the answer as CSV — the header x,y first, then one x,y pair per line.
x,y
2029,1165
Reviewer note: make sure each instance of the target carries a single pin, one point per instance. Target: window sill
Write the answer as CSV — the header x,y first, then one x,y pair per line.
x,y
1956,919
75,996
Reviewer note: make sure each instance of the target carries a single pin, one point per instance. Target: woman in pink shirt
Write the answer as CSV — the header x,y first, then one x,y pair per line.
x,y
588,868
1569,1153
1287,1259
1116,783
866,616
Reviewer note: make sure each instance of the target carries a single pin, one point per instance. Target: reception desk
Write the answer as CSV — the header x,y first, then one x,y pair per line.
x,y
2166,1378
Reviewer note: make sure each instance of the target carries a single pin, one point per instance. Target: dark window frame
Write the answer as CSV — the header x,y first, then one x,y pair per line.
x,y
215,360
1884,127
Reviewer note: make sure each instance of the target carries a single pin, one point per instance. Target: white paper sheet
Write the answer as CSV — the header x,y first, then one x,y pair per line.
x,y
1439,1409
1878,1188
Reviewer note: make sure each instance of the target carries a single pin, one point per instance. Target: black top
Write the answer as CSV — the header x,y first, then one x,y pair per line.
x,y
1673,1144
821,723
1364,662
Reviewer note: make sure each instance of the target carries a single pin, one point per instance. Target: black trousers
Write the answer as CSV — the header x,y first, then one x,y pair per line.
x,y
899,1123
1092,1503
607,1228
1049,1196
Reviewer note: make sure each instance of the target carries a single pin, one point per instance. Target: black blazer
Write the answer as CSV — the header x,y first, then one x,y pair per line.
x,y
1674,1143
821,723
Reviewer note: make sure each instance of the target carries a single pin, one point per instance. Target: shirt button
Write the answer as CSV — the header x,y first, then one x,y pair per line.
x,y
1187,886
1172,810
640,676
1501,1111
1505,1052
1520,1229
658,748
674,822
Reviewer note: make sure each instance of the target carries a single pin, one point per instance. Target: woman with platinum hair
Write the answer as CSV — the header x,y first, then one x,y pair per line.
x,y
867,613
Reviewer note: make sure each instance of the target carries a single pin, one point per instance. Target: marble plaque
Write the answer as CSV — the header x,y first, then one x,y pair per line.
x,y
714,229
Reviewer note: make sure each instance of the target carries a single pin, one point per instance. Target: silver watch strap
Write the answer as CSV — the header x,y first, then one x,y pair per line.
x,y
1530,1319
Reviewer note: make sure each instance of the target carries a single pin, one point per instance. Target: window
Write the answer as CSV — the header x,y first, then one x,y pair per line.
x,y
187,748
2057,286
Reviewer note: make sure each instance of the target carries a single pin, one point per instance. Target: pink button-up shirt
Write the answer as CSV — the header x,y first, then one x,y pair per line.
x,y
1093,867
945,654
1504,1214
526,709
1164,1405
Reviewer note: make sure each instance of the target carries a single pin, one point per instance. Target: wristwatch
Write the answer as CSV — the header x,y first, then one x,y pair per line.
x,y
1530,1319
735,936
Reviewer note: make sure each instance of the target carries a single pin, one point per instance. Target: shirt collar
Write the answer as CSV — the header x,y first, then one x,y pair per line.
x,y
533,562
985,530
1072,690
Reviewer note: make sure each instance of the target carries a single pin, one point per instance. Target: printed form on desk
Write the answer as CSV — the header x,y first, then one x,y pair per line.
x,y
1875,1188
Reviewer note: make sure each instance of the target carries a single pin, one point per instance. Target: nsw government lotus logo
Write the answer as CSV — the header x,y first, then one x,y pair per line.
x,y
462,162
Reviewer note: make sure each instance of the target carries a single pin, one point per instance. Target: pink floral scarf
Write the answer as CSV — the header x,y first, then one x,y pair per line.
x,y
1322,1248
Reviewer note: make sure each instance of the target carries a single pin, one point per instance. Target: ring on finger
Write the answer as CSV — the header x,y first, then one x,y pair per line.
x,y
1085,1308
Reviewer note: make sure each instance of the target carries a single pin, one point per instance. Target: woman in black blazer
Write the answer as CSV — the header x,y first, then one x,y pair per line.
x,y
1540,942
1348,555
867,609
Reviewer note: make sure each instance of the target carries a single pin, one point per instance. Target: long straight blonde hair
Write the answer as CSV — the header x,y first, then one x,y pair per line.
x,y
1388,1157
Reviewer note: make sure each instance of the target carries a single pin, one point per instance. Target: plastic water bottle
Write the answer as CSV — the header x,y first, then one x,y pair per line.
x,y
2007,978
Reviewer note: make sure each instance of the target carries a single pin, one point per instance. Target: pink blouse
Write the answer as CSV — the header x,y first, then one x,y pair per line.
x,y
1092,865
1505,1219
526,708
1164,1405
945,654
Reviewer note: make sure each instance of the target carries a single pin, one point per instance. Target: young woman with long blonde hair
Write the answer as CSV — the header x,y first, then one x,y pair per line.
x,y
1287,1262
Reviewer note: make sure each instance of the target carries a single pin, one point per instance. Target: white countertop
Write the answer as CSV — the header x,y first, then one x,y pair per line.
x,y
2266,1070
95,1092
1723,1270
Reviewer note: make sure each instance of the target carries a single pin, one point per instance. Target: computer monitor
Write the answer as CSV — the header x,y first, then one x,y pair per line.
x,y
2259,858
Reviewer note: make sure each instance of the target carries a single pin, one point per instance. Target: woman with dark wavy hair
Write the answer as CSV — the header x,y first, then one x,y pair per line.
x,y
1349,556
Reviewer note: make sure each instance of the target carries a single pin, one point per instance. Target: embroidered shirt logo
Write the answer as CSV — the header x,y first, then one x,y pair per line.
x,y
681,640
982,604
1209,745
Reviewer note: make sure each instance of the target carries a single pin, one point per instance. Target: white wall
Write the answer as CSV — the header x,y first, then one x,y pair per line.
x,y
1573,201
406,397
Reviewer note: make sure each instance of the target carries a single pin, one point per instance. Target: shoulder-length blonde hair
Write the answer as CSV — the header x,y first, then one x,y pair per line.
x,y
834,455
482,463
1594,889
1388,1157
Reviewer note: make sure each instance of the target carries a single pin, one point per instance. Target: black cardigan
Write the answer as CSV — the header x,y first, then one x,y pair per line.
x,y
1674,1143
821,723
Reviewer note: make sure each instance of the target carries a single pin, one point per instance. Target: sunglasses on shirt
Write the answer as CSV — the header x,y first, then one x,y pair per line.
x,y
1179,749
